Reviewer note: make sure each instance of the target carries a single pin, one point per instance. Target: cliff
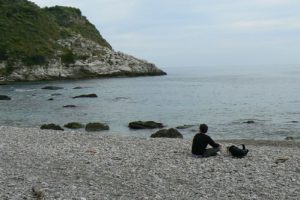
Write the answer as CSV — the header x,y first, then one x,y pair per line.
x,y
58,43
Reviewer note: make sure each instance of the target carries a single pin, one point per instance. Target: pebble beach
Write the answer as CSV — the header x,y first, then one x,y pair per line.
x,y
42,164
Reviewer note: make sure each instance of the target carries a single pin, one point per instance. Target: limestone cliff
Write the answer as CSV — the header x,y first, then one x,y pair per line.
x,y
58,43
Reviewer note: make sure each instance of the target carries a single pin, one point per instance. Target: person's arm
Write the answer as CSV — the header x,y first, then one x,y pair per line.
x,y
212,143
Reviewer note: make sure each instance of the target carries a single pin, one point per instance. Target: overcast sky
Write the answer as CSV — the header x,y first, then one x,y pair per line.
x,y
175,33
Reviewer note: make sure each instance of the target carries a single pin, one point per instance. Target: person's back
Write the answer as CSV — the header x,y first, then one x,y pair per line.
x,y
200,142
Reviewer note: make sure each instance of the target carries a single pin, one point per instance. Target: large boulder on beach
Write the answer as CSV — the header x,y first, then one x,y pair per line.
x,y
4,97
145,125
289,138
96,126
74,125
167,133
52,127
86,96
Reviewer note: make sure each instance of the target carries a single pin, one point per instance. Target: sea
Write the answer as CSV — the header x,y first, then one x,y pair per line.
x,y
228,99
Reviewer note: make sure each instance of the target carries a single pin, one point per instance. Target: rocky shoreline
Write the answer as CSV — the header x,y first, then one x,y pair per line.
x,y
45,164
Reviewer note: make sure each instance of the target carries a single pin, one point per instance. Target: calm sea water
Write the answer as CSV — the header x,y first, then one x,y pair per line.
x,y
224,98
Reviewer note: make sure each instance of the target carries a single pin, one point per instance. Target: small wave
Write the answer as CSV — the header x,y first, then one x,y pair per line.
x,y
249,121
24,90
121,98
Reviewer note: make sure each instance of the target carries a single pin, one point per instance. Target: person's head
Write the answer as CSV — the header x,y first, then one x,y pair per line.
x,y
203,128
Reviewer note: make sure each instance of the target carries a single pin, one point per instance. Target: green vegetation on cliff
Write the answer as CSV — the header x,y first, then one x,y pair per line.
x,y
72,19
29,33
26,32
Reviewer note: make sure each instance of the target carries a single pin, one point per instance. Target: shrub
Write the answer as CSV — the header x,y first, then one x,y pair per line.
x,y
68,57
3,55
6,71
35,60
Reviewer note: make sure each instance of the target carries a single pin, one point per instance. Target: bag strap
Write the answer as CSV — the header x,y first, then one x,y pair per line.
x,y
243,147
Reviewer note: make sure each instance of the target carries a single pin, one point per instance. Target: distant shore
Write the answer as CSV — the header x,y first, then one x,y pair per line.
x,y
79,165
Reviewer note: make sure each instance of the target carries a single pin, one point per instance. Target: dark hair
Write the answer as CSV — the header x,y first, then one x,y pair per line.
x,y
203,128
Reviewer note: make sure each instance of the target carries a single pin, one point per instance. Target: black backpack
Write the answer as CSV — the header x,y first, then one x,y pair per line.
x,y
238,152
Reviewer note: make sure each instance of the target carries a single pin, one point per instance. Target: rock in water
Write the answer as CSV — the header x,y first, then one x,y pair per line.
x,y
74,125
69,106
184,126
167,133
52,88
145,125
4,97
249,122
52,127
96,126
56,94
86,96
77,88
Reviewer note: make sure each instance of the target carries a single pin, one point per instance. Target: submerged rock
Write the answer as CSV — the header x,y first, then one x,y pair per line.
x,y
50,99
167,133
249,122
4,97
52,88
52,127
56,94
74,125
96,126
77,88
70,106
121,98
144,125
86,96
185,126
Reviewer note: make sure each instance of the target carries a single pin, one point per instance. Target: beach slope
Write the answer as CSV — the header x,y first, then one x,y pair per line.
x,y
72,165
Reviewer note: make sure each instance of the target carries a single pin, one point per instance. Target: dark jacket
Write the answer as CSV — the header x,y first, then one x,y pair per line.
x,y
200,143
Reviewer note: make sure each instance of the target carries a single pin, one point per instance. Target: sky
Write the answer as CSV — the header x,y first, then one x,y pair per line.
x,y
191,33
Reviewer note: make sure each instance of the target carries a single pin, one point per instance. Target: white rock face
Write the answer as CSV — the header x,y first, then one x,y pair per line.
x,y
92,60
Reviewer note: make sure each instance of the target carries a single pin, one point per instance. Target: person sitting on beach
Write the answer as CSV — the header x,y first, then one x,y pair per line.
x,y
200,142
